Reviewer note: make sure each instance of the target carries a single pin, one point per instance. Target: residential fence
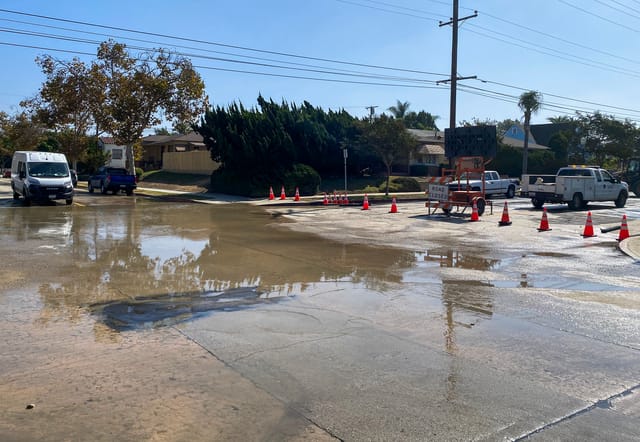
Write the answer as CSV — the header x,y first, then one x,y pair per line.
x,y
197,162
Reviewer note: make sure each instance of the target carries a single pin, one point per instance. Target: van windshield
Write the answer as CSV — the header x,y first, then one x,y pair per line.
x,y
48,170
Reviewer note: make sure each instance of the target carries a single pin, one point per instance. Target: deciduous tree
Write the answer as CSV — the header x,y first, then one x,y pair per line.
x,y
388,137
139,91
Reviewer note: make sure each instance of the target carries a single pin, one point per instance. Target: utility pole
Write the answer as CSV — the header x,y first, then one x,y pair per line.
x,y
371,112
454,63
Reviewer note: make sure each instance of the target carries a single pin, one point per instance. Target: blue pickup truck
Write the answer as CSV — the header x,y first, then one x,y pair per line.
x,y
113,179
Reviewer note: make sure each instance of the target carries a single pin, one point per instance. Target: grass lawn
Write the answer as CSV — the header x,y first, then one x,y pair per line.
x,y
181,179
354,184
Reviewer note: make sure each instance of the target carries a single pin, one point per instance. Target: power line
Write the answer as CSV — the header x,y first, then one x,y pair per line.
x,y
624,11
626,6
228,60
390,81
123,38
192,40
389,10
577,61
613,22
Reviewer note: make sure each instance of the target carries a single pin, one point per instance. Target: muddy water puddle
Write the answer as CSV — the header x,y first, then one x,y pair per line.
x,y
154,264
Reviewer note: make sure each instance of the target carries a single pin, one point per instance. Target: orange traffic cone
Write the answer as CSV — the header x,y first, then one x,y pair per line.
x,y
365,203
340,200
544,222
325,201
345,199
334,199
624,229
505,216
474,212
588,227
271,195
394,207
283,196
297,196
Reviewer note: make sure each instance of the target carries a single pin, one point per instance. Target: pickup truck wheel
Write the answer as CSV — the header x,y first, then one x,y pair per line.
x,y
511,192
90,187
537,203
481,204
69,201
576,202
103,189
129,192
621,200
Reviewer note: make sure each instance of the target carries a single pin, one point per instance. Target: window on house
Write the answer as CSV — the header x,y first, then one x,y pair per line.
x,y
116,154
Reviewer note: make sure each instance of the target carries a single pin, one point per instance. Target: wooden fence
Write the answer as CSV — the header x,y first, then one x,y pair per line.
x,y
197,162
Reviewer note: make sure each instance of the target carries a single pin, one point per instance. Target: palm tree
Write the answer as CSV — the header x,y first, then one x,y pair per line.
x,y
400,109
530,102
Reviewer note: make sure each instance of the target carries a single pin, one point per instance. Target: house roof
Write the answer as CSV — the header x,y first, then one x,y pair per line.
x,y
431,149
191,138
514,142
107,140
427,136
544,132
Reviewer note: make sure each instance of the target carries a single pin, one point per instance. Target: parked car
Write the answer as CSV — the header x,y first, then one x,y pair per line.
x,y
114,179
6,173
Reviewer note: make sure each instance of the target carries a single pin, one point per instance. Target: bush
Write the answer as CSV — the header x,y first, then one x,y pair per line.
x,y
304,177
419,170
139,173
401,184
223,181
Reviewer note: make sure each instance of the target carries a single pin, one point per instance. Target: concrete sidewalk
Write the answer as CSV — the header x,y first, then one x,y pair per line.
x,y
631,246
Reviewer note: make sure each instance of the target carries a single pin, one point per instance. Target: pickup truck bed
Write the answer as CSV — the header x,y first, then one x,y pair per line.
x,y
112,179
575,186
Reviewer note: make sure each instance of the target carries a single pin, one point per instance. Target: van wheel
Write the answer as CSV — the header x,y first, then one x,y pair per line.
x,y
537,203
69,201
621,200
576,202
511,192
27,199
16,196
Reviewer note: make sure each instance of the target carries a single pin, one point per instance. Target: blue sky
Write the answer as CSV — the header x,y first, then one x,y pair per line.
x,y
580,54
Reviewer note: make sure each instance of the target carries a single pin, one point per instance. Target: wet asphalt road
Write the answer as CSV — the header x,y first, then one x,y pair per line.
x,y
358,325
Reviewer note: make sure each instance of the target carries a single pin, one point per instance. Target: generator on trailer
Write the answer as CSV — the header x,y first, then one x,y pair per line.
x,y
469,150
452,191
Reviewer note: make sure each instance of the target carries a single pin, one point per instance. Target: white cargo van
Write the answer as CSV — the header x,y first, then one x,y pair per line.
x,y
41,176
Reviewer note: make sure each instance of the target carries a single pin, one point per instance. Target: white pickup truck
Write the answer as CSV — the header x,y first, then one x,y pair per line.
x,y
493,183
576,186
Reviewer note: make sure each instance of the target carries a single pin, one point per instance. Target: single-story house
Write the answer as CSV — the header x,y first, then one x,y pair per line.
x,y
117,153
430,152
155,146
177,153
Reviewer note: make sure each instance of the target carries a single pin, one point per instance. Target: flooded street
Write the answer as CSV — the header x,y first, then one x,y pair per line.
x,y
140,319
